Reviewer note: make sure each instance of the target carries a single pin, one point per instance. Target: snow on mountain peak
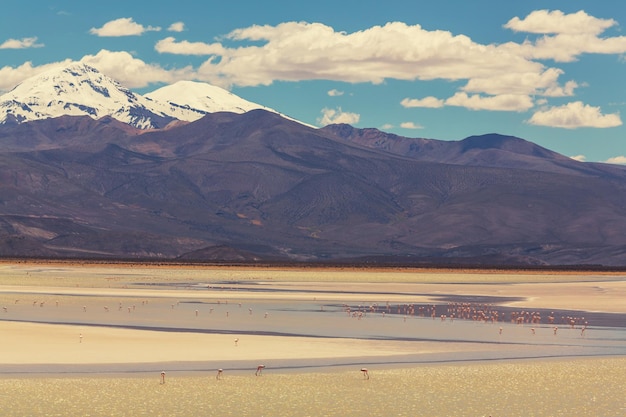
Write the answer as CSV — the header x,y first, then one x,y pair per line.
x,y
203,97
79,89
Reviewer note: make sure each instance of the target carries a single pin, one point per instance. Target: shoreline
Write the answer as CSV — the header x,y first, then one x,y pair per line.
x,y
247,368
304,266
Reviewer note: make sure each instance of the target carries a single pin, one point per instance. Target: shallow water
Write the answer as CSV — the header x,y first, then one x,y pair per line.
x,y
320,316
176,302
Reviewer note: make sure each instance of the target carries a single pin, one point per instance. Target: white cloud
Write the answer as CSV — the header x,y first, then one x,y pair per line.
x,y
431,102
566,91
171,46
335,93
387,126
567,48
295,51
334,116
176,27
12,76
23,43
579,158
124,26
566,36
503,102
505,77
621,160
544,83
133,72
555,21
410,125
574,115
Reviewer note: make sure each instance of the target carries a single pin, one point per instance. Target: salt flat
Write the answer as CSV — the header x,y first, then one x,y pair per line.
x,y
104,323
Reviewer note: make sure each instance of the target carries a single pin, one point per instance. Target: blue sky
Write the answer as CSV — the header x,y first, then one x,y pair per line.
x,y
552,72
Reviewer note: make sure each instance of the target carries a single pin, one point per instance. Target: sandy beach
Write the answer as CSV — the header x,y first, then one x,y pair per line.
x,y
95,339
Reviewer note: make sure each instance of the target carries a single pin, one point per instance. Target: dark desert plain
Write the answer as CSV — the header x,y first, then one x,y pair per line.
x,y
94,338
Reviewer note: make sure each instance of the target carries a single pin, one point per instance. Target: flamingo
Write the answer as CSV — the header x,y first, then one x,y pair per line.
x,y
259,370
366,374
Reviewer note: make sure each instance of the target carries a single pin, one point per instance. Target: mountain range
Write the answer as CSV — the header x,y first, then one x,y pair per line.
x,y
190,172
80,89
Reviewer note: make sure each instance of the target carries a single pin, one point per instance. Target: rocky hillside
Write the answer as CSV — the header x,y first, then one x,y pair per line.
x,y
259,187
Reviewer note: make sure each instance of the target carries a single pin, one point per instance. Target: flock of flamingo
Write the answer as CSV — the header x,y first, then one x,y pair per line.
x,y
488,313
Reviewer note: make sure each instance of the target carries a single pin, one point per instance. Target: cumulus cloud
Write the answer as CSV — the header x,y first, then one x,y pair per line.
x,y
170,45
124,26
503,102
543,83
555,21
574,115
565,36
23,43
410,125
503,77
621,160
133,72
567,48
295,51
430,102
335,93
579,158
176,27
334,116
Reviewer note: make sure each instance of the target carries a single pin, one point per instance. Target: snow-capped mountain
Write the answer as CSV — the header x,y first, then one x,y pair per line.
x,y
202,98
80,89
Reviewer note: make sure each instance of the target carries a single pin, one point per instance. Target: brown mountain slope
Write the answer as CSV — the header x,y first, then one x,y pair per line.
x,y
258,187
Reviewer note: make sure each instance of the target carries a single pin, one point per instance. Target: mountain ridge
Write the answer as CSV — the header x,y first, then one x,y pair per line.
x,y
255,187
490,149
